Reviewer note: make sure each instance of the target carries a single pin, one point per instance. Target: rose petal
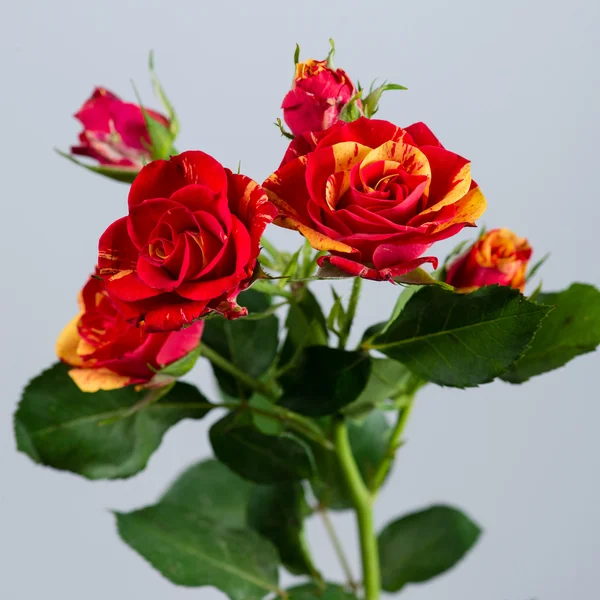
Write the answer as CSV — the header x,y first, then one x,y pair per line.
x,y
116,251
162,178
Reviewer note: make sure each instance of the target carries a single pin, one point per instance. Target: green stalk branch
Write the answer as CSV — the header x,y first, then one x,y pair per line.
x,y
363,507
295,421
350,312
337,547
254,384
393,445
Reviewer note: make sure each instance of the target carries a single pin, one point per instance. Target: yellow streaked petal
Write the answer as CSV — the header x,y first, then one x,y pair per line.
x,y
317,240
458,188
410,158
468,209
68,342
94,380
348,154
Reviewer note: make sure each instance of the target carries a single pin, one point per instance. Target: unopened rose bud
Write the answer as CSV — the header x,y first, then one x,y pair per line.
x,y
318,95
115,133
498,257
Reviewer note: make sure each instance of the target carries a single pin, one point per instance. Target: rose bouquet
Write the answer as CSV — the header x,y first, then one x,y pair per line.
x,y
308,425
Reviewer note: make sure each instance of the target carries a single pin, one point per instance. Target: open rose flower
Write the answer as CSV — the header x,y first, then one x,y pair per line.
x,y
106,352
376,197
317,97
498,257
189,245
114,132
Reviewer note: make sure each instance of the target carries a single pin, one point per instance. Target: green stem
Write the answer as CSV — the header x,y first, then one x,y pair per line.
x,y
350,312
393,445
297,422
363,507
254,384
337,546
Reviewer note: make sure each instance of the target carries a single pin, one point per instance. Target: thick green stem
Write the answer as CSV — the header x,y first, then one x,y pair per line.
x,y
393,445
363,507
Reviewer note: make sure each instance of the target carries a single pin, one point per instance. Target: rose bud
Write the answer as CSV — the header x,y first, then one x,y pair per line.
x,y
498,257
189,245
115,132
318,95
106,352
376,197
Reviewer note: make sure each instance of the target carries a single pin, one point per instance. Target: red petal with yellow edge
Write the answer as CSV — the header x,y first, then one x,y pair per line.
x,y
468,209
410,158
317,240
363,131
161,178
422,135
116,251
250,204
67,343
450,177
322,164
286,189
94,380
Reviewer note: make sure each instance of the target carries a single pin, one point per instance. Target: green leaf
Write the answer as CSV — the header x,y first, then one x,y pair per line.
x,y
192,550
99,435
325,380
461,340
389,379
421,277
573,328
371,102
250,345
331,54
306,326
259,457
161,137
424,544
277,512
214,491
265,416
297,55
369,442
536,267
123,174
310,591
160,92
182,366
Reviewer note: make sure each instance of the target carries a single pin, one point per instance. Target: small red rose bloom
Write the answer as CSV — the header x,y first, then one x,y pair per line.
x,y
375,196
189,245
114,132
498,257
317,97
106,352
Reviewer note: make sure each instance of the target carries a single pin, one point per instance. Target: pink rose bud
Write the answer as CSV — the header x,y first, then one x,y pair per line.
x,y
318,95
115,132
498,257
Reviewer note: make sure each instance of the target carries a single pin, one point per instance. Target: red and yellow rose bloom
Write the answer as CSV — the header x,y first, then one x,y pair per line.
x,y
376,197
498,257
189,245
106,352
115,132
317,97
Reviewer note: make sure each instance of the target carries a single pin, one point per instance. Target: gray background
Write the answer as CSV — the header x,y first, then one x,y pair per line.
x,y
512,85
